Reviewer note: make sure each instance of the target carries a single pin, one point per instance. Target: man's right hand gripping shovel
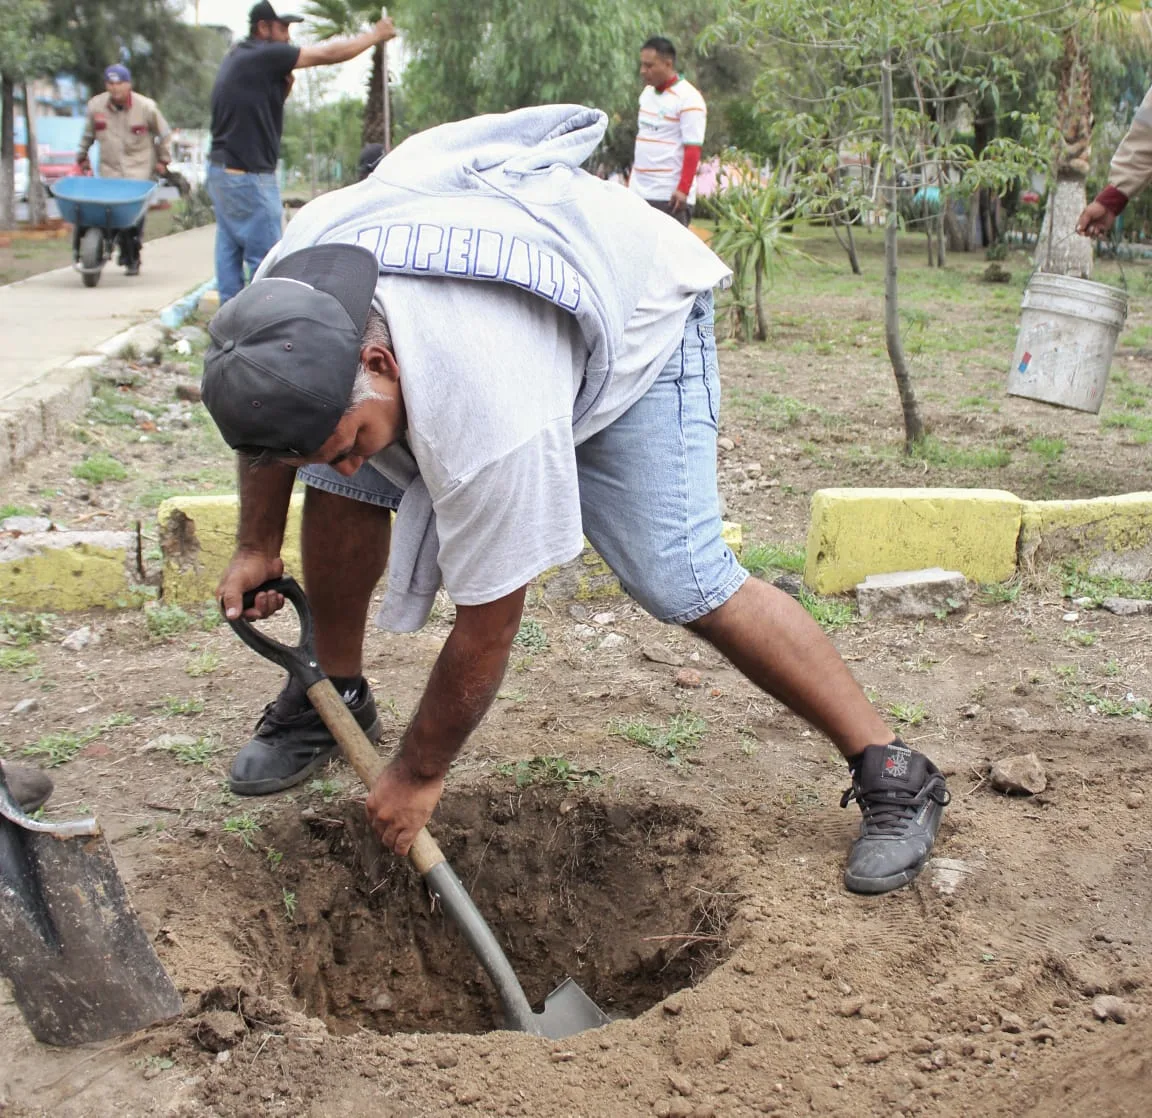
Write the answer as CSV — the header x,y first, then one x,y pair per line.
x,y
248,570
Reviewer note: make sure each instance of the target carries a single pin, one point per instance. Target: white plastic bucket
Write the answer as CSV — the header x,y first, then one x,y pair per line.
x,y
1068,330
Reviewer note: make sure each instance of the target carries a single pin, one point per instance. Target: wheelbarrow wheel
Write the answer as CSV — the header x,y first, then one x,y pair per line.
x,y
91,256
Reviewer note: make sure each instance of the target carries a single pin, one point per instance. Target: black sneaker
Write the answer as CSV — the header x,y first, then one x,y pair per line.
x,y
291,741
902,797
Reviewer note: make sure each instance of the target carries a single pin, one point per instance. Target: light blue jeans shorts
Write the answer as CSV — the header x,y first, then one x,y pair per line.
x,y
647,486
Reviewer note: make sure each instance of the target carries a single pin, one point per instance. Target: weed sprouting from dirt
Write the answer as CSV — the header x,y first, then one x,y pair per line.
x,y
935,453
100,467
830,613
199,751
1050,449
1082,637
202,664
172,706
1079,582
16,659
1128,707
15,510
999,592
911,714
165,622
531,636
552,770
23,629
289,900
673,742
53,750
328,789
246,826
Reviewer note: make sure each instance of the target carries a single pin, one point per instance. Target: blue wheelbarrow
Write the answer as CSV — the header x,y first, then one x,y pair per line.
x,y
98,210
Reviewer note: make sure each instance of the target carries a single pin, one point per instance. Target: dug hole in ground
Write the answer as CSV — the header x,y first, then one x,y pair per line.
x,y
632,812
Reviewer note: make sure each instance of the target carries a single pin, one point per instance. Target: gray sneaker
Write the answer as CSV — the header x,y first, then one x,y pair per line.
x,y
291,741
902,796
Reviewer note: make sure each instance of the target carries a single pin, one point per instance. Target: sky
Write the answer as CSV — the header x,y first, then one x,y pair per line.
x,y
350,76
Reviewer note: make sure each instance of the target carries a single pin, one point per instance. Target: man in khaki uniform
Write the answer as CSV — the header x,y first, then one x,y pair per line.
x,y
133,137
1129,173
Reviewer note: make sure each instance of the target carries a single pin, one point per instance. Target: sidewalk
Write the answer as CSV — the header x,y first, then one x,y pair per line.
x,y
49,320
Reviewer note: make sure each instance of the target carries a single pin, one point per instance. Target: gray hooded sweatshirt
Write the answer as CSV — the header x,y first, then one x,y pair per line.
x,y
501,199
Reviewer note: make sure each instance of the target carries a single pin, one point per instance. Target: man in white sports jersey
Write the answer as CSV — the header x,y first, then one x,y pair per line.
x,y
669,134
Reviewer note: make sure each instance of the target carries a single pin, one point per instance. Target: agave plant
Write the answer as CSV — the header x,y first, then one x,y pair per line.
x,y
752,209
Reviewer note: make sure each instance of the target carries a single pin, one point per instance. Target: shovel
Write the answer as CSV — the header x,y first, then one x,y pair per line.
x,y
81,967
567,1009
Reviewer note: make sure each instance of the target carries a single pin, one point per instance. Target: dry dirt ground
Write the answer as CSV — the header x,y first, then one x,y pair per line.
x,y
677,850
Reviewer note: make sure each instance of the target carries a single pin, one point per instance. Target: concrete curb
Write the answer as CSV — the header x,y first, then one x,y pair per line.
x,y
32,416
988,534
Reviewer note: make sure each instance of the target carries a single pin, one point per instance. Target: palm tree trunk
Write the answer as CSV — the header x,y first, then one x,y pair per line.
x,y
1059,249
913,424
761,318
372,131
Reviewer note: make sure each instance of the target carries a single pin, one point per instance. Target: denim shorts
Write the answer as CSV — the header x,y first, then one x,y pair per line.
x,y
648,492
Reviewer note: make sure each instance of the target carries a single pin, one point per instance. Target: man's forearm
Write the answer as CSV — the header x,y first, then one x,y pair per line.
x,y
461,688
342,50
265,491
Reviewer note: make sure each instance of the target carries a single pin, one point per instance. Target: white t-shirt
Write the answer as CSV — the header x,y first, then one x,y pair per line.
x,y
667,122
489,374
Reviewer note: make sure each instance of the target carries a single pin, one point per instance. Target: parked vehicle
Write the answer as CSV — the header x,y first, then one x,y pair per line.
x,y
20,184
55,165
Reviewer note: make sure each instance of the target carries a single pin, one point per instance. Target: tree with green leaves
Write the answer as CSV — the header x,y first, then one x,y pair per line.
x,y
881,81
27,51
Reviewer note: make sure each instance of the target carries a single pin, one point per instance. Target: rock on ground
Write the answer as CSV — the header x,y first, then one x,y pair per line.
x,y
932,592
1022,775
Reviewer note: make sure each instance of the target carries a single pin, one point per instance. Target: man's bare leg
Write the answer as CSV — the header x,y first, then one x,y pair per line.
x,y
777,645
344,547
901,794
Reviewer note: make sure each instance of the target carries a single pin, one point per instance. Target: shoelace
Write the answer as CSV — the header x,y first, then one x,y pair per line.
x,y
888,813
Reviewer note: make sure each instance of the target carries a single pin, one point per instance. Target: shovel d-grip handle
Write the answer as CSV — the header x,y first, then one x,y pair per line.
x,y
300,661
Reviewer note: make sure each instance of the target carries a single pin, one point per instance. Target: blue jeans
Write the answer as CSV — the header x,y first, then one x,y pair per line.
x,y
247,224
648,493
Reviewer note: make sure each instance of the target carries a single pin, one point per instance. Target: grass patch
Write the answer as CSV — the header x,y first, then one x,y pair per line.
x,y
1116,708
673,742
1048,449
204,663
197,752
999,591
245,826
111,408
763,558
172,707
935,453
831,614
100,467
548,770
23,629
1138,426
1078,582
53,750
769,410
16,659
15,510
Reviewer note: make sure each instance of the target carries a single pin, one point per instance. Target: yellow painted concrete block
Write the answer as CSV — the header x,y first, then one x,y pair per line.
x,y
197,539
854,533
62,571
1110,534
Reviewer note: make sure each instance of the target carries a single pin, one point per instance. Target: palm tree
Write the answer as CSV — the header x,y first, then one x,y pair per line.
x,y
329,18
1059,250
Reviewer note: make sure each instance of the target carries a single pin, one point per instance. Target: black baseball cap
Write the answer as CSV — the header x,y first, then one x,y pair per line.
x,y
283,357
265,11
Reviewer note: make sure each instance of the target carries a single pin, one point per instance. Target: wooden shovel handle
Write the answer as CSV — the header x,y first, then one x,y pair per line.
x,y
425,853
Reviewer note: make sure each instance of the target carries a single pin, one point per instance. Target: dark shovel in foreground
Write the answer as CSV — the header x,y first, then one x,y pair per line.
x,y
81,967
567,1009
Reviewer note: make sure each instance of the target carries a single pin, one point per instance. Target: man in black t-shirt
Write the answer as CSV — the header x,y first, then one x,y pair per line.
x,y
248,98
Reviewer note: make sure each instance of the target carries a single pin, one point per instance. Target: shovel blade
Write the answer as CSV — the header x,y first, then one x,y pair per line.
x,y
81,967
567,1011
